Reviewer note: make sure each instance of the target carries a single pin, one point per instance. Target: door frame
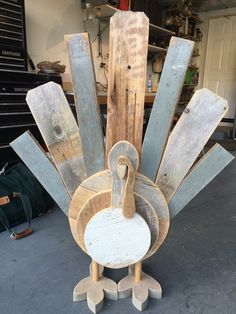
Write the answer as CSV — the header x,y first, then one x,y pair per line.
x,y
206,17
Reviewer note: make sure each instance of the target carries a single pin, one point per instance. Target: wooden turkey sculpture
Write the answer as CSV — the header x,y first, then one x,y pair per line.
x,y
123,197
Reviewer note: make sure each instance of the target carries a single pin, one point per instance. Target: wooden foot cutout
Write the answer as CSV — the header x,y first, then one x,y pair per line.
x,y
94,292
94,288
140,291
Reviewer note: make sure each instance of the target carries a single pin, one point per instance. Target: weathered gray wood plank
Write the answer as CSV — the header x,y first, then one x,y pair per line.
x,y
60,132
39,164
169,89
87,108
199,120
201,174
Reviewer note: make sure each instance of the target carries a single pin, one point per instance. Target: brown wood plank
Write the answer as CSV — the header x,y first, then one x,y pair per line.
x,y
127,78
148,100
59,131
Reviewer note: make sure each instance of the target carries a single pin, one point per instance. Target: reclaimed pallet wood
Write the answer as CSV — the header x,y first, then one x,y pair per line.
x,y
127,78
94,291
166,99
128,202
45,172
198,121
216,159
140,290
114,241
122,148
103,200
102,182
86,103
59,131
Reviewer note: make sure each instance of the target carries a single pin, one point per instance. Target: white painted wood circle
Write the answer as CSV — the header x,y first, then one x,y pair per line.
x,y
115,241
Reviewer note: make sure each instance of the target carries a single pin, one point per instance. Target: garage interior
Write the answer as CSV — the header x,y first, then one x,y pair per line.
x,y
196,265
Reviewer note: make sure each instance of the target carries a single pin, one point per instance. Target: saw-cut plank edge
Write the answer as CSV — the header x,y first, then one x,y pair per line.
x,y
166,99
28,149
192,131
86,103
60,132
216,159
128,46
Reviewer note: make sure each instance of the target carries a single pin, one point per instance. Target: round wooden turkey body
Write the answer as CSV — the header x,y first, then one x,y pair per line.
x,y
103,200
121,216
86,196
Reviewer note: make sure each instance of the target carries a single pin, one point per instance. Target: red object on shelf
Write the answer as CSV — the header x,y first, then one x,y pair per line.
x,y
123,5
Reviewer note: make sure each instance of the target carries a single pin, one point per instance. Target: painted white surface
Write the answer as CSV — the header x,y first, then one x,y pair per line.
x,y
115,241
220,64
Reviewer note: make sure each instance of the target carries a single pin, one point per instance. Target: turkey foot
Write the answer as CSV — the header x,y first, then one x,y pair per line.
x,y
94,288
141,286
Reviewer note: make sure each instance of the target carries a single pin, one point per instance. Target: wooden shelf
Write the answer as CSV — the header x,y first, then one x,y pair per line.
x,y
173,10
156,49
186,36
160,30
190,85
105,10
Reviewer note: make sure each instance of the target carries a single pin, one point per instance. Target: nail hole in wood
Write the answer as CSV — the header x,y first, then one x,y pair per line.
x,y
58,129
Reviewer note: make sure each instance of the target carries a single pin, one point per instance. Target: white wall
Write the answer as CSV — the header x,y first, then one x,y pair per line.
x,y
47,21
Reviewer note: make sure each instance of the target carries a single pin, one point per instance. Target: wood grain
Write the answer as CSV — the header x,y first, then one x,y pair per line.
x,y
28,149
102,200
95,271
94,292
216,159
128,45
126,149
199,120
88,111
140,291
59,131
114,241
143,186
128,202
166,99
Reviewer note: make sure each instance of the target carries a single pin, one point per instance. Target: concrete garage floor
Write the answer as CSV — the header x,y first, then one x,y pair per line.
x,y
196,266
